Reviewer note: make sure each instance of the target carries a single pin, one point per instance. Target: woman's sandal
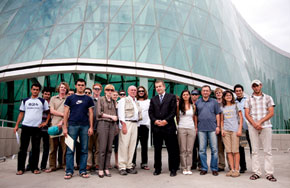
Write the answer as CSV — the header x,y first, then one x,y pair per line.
x,y
36,172
20,172
50,170
67,176
145,167
84,175
254,177
271,178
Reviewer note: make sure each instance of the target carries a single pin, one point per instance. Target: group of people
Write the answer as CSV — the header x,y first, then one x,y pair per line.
x,y
186,124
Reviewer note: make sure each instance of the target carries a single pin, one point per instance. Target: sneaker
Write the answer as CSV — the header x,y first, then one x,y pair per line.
x,y
184,172
131,171
229,173
123,172
236,173
189,172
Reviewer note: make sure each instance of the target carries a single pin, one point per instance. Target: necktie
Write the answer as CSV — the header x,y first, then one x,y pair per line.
x,y
161,98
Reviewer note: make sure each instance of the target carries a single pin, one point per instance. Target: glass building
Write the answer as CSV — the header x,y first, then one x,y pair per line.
x,y
188,43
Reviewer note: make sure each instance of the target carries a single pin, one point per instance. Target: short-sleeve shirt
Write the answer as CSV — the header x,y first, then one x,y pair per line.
x,y
258,106
206,112
57,104
241,104
79,107
33,109
230,114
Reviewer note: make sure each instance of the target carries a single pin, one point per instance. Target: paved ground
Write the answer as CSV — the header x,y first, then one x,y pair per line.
x,y
145,178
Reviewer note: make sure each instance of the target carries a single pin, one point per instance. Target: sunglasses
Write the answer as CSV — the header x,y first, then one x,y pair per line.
x,y
122,94
97,89
110,90
141,91
81,85
87,92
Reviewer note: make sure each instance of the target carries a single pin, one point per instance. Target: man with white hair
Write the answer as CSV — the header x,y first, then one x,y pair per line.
x,y
259,109
129,114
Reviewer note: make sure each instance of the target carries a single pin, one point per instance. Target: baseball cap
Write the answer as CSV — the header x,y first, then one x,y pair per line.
x,y
257,82
195,92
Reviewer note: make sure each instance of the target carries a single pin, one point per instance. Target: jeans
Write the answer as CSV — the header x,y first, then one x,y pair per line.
x,y
76,131
204,137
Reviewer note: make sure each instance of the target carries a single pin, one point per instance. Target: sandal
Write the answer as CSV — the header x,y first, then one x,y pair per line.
x,y
36,172
84,175
67,176
49,170
271,178
20,172
254,177
145,167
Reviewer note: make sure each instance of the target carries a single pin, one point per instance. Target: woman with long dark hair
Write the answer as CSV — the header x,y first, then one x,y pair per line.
x,y
186,130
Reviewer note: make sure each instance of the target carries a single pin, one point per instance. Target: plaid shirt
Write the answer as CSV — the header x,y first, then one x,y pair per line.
x,y
258,107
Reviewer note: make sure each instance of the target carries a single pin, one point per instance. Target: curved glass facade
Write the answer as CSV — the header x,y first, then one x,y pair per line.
x,y
192,42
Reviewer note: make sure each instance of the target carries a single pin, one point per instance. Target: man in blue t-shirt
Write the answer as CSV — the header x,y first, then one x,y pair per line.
x,y
208,122
78,122
31,109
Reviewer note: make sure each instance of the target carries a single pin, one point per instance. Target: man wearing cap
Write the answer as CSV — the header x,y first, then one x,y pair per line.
x,y
195,157
259,109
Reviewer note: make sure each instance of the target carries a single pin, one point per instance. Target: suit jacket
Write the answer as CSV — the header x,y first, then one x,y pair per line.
x,y
164,111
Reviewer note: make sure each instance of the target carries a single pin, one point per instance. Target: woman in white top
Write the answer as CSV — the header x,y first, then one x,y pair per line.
x,y
143,127
186,130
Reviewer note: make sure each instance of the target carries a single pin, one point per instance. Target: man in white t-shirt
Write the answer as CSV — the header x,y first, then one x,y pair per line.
x,y
31,109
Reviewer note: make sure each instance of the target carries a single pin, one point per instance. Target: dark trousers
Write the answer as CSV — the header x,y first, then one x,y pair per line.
x,y
27,134
243,163
195,155
45,141
172,149
143,134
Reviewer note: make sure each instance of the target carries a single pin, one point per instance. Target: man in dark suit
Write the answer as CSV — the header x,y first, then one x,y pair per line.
x,y
162,111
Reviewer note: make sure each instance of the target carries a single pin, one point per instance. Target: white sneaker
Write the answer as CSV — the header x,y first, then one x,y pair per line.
x,y
184,172
189,172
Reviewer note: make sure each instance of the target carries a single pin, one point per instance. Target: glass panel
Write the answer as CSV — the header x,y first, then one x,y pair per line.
x,y
97,49
7,51
201,4
25,16
11,4
207,60
138,6
182,11
47,13
117,33
147,16
142,36
115,6
192,47
210,33
101,14
36,50
151,53
69,47
124,15
161,8
29,39
125,50
90,34
170,20
167,41
75,15
92,6
2,4
199,18
178,58
60,33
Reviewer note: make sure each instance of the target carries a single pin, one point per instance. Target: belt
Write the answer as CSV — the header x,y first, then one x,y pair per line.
x,y
132,120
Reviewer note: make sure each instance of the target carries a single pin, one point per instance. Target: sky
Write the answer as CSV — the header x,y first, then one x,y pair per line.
x,y
269,18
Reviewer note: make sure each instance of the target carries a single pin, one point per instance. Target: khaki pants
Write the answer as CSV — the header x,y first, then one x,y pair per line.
x,y
127,144
93,142
53,147
265,136
186,138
